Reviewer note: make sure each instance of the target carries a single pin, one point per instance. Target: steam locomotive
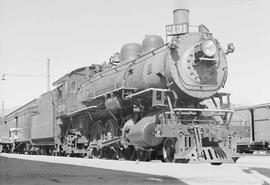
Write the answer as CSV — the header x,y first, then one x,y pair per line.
x,y
146,103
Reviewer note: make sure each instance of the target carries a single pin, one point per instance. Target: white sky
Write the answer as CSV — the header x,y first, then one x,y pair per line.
x,y
76,33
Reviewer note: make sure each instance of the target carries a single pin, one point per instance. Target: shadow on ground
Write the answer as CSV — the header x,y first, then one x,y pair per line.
x,y
263,171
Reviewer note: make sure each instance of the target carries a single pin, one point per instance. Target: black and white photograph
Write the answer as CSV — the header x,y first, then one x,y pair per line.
x,y
134,92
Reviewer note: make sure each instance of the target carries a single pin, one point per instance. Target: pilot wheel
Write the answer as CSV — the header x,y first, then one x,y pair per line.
x,y
169,150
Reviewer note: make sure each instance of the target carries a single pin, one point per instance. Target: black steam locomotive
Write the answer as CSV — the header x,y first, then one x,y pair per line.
x,y
145,103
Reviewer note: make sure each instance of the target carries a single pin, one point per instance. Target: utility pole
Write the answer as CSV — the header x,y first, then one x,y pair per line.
x,y
48,75
3,109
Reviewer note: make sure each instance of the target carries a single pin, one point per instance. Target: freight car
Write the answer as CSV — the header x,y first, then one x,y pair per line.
x,y
5,142
253,127
145,103
30,126
15,127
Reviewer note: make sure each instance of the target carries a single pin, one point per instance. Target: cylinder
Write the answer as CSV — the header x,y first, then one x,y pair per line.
x,y
181,16
142,133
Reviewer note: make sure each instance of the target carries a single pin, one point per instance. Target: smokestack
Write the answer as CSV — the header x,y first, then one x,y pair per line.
x,y
181,12
181,16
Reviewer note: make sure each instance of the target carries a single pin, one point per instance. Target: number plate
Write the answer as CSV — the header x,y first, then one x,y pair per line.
x,y
176,29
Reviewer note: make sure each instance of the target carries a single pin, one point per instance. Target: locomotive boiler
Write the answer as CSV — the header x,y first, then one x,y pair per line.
x,y
146,102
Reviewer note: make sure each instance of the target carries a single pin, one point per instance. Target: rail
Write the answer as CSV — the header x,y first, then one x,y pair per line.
x,y
201,110
180,121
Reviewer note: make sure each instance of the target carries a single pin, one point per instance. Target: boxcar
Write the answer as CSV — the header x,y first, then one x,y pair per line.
x,y
254,127
16,125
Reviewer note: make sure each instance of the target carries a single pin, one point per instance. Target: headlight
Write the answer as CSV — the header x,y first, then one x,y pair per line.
x,y
209,48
